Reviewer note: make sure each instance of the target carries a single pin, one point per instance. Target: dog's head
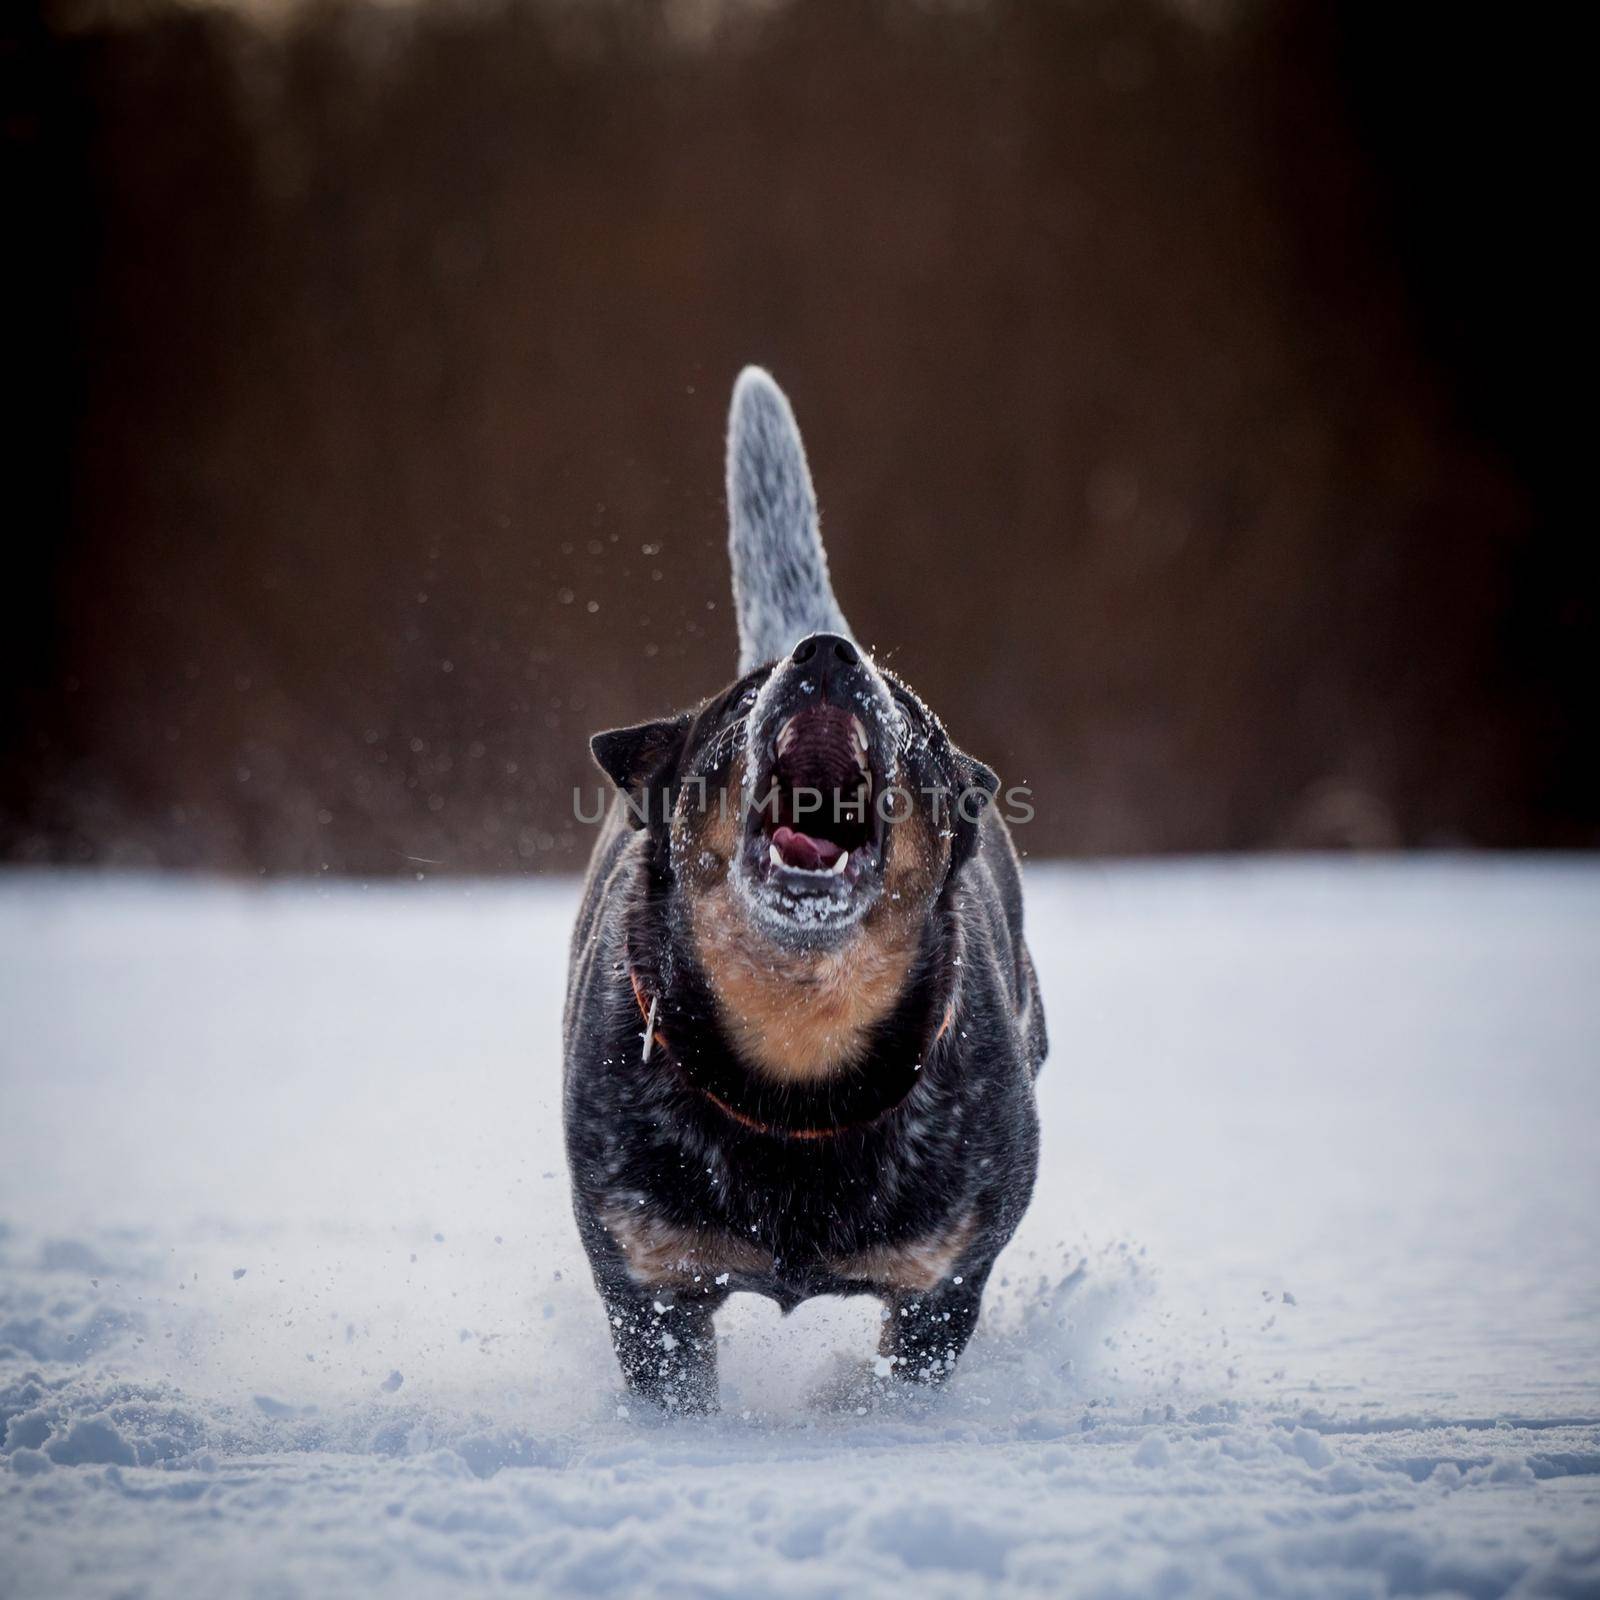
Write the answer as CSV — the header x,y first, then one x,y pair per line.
x,y
822,793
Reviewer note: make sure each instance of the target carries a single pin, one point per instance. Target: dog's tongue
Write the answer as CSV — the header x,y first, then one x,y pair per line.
x,y
801,850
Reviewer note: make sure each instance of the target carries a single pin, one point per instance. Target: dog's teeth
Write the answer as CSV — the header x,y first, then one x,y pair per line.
x,y
839,865
775,856
860,732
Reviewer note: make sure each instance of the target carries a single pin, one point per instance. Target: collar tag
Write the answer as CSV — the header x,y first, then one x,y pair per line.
x,y
650,1029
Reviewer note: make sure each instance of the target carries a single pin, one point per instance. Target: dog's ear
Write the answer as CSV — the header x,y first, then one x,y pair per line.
x,y
976,787
642,762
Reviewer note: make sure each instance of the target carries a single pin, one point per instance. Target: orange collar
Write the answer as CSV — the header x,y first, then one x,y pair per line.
x,y
655,1039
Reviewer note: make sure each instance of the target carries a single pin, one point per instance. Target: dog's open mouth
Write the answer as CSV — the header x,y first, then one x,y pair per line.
x,y
814,825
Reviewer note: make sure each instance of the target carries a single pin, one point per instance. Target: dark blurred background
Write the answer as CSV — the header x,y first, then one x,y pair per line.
x,y
1175,377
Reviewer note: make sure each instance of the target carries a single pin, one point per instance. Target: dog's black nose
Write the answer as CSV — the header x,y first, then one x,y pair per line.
x,y
831,647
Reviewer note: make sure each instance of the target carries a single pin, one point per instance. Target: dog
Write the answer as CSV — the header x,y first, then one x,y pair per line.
x,y
802,1028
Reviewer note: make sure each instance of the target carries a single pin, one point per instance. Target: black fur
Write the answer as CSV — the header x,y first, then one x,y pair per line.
x,y
955,1127
787,1188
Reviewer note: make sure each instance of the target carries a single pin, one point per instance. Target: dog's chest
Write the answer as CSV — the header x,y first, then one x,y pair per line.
x,y
798,1019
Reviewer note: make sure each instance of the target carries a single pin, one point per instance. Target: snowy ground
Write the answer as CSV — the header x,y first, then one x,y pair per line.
x,y
1308,1302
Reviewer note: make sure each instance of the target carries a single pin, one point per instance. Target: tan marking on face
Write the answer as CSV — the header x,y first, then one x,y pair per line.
x,y
921,1264
916,861
661,1254
706,837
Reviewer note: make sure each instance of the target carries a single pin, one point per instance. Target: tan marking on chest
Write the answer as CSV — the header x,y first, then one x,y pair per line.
x,y
662,1254
798,1016
920,1264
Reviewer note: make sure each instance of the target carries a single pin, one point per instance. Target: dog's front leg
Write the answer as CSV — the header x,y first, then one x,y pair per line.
x,y
665,1343
925,1330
